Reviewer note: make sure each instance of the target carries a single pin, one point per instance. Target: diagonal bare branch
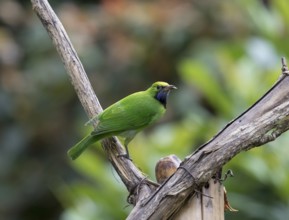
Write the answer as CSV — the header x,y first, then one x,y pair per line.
x,y
263,122
127,171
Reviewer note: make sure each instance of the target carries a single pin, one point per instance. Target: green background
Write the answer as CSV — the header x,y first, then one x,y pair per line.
x,y
222,55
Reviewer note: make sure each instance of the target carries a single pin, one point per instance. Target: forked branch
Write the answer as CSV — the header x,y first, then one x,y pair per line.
x,y
267,119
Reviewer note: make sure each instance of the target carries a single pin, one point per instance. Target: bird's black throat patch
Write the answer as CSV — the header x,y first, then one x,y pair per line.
x,y
161,96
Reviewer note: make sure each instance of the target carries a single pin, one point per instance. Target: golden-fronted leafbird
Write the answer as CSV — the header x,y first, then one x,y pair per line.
x,y
127,117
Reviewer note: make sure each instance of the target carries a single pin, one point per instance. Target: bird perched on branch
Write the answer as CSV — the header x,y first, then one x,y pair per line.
x,y
127,117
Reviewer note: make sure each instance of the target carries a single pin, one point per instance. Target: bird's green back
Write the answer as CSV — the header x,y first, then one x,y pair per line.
x,y
134,112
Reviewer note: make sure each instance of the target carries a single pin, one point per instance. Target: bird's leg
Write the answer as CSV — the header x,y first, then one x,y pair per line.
x,y
126,155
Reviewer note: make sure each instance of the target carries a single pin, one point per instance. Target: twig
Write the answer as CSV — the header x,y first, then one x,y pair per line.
x,y
284,66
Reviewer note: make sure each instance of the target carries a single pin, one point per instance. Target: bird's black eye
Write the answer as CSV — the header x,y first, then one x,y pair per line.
x,y
159,87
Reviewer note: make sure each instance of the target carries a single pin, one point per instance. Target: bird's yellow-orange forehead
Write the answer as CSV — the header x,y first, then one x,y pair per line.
x,y
160,84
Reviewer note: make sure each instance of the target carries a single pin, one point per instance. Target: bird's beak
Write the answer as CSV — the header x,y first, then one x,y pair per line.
x,y
170,87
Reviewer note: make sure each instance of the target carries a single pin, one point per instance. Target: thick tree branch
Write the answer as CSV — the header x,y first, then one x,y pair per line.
x,y
129,174
267,119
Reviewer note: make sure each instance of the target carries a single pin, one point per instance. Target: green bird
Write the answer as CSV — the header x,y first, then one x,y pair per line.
x,y
127,117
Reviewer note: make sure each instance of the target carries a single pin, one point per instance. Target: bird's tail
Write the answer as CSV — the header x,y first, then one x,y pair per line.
x,y
75,151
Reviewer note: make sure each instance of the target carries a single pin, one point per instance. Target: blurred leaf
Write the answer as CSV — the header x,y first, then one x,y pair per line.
x,y
196,73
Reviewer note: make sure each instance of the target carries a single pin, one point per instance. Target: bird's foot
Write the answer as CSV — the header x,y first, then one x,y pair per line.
x,y
125,156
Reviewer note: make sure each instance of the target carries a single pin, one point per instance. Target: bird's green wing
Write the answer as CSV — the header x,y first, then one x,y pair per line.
x,y
134,112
